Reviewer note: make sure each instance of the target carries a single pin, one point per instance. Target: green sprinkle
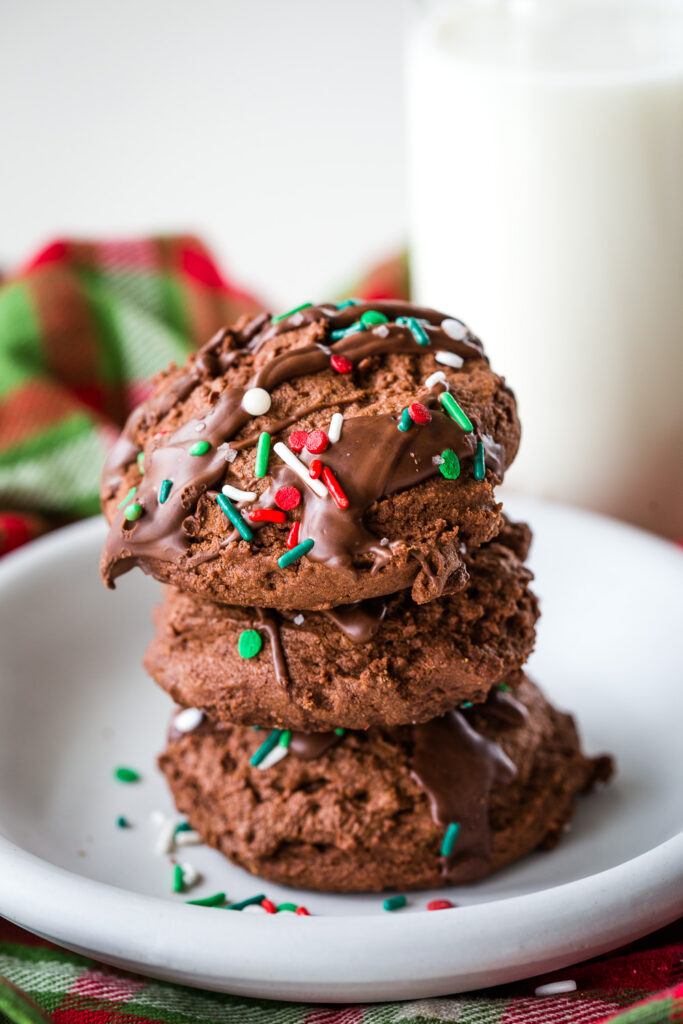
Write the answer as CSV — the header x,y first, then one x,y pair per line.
x,y
262,454
122,822
348,302
449,838
405,423
249,643
372,318
247,903
265,748
449,465
295,553
286,906
133,512
256,728
343,331
339,732
184,826
178,878
467,704
455,412
240,524
284,738
395,903
126,775
127,498
480,462
200,448
217,900
504,687
415,327
290,312
164,491
141,462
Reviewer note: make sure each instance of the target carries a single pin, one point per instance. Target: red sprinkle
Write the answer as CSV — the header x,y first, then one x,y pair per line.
x,y
332,484
302,912
439,905
293,536
269,906
159,433
317,441
267,515
315,468
297,440
418,413
287,498
341,364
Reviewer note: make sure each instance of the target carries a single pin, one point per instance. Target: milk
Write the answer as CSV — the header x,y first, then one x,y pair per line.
x,y
546,162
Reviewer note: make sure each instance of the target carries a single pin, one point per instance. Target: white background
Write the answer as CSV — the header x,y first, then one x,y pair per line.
x,y
273,128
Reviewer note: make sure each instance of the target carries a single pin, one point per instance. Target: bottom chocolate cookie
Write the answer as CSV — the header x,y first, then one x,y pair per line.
x,y
410,807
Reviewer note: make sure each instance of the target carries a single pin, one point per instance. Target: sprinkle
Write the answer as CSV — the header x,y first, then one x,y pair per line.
x,y
297,309
126,775
249,643
480,462
298,467
288,498
235,494
450,464
394,903
503,686
455,329
287,906
159,433
227,507
339,732
200,427
190,875
556,988
415,327
256,728
449,838
199,448
334,487
298,620
440,905
268,906
451,359
437,460
127,498
336,423
133,512
122,822
324,348
217,900
382,331
265,748
183,826
317,442
267,515
297,440
292,536
164,491
284,738
228,453
405,422
253,908
467,704
302,912
177,878
372,318
247,903
256,401
315,469
166,838
455,411
438,377
419,414
189,838
275,755
295,553
141,462
296,320
188,719
348,302
262,454
341,364
342,333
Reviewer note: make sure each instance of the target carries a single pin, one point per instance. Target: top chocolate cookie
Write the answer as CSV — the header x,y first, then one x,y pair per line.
x,y
322,457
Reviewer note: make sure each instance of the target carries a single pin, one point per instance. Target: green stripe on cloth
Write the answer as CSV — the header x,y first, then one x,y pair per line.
x,y
22,357
175,305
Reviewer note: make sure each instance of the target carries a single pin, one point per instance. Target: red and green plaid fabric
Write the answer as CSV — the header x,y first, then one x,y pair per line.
x,y
82,328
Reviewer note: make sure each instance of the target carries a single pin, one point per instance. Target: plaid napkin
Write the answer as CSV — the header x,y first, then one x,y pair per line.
x,y
82,328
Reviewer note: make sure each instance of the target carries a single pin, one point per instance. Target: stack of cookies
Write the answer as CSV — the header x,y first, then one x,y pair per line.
x,y
347,611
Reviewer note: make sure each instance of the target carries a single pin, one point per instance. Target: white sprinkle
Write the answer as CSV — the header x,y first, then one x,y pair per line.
x,y
455,329
200,427
188,837
190,875
296,319
275,755
237,495
188,719
437,460
438,377
228,453
384,542
256,401
324,348
157,817
253,908
449,359
165,839
556,988
382,331
298,620
334,433
287,456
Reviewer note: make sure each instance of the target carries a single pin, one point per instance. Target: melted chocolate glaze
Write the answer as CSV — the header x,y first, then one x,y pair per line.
x,y
360,621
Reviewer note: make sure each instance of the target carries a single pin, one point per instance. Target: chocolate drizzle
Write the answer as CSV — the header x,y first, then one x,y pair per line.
x,y
269,623
358,622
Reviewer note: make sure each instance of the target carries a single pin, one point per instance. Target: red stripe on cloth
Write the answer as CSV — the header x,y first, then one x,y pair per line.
x,y
341,1015
33,409
131,255
100,984
196,264
14,531
55,252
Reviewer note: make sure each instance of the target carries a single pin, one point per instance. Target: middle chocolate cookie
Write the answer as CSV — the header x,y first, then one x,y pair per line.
x,y
386,662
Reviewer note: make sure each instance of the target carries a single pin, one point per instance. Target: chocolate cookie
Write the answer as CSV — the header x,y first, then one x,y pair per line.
x,y
385,661
406,808
322,458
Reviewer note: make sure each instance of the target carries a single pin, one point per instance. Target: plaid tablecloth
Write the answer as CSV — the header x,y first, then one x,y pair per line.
x,y
82,328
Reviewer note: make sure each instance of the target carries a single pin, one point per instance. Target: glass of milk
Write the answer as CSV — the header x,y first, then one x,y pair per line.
x,y
546,186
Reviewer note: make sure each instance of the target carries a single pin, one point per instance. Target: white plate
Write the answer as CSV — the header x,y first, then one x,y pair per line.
x,y
75,703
